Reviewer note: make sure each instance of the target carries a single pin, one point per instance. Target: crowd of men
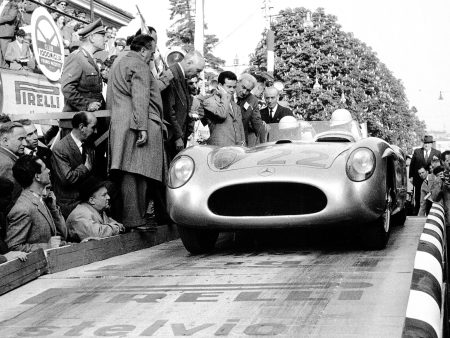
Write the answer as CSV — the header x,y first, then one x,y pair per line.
x,y
64,193
52,197
16,50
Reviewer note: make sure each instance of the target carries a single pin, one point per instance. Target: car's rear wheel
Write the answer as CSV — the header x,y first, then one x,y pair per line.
x,y
377,233
198,241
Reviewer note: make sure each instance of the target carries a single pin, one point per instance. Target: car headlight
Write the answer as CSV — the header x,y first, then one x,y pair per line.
x,y
180,171
225,157
360,164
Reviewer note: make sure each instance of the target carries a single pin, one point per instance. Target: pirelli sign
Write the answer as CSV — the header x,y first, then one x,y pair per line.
x,y
26,93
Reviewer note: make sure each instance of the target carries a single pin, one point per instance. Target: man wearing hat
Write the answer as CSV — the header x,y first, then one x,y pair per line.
x,y
18,52
422,157
89,218
81,82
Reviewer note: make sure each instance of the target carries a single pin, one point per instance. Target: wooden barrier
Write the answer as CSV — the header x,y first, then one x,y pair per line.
x,y
78,254
16,273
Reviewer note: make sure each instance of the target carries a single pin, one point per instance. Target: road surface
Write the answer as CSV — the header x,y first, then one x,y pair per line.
x,y
290,284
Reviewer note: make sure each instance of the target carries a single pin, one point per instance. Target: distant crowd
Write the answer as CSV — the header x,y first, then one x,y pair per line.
x,y
16,50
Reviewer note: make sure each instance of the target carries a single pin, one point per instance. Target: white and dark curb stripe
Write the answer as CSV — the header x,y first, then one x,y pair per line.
x,y
424,314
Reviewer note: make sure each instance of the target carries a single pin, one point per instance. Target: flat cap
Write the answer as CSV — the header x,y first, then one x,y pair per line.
x,y
95,27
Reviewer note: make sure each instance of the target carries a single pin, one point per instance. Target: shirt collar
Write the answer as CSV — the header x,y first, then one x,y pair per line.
x,y
182,70
76,140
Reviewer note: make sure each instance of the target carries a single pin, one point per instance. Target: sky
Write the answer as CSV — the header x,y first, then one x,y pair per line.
x,y
412,37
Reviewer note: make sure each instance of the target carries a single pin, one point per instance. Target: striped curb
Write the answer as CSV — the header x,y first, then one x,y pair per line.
x,y
424,313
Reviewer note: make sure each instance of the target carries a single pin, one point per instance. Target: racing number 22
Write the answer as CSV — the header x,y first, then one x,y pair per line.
x,y
313,158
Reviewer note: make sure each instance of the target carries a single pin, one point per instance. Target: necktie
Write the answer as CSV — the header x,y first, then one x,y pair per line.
x,y
426,155
83,152
271,112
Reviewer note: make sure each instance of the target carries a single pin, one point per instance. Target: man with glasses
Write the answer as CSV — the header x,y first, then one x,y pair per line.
x,y
251,117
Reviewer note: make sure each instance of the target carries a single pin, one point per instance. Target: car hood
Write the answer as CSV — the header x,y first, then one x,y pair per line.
x,y
316,155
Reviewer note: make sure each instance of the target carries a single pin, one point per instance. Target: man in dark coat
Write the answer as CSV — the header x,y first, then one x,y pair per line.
x,y
249,104
177,101
136,131
33,146
12,145
73,161
8,15
422,157
273,112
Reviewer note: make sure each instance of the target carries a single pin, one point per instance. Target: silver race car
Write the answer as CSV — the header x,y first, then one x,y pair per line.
x,y
307,174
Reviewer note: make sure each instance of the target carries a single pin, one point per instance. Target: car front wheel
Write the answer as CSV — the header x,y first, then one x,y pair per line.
x,y
377,233
197,241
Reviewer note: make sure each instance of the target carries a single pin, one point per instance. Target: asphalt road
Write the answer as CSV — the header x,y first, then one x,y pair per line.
x,y
290,284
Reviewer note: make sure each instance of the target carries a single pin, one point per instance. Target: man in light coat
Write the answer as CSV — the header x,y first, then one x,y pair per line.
x,y
35,217
223,115
136,130
89,218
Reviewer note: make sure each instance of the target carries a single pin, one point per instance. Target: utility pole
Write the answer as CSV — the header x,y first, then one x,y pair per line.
x,y
200,35
270,38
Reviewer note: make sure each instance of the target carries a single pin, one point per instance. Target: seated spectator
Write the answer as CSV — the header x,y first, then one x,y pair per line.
x,y
73,160
12,145
6,187
35,217
18,53
89,218
34,147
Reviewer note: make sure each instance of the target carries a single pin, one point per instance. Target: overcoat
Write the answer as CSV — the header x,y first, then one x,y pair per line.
x,y
135,103
8,20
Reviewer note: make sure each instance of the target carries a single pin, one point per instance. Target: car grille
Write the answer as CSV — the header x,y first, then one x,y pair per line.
x,y
267,199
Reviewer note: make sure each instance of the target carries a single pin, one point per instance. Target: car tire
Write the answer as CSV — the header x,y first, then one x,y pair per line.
x,y
198,241
377,233
400,217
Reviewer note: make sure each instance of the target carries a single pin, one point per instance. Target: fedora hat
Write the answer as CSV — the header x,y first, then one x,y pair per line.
x,y
428,139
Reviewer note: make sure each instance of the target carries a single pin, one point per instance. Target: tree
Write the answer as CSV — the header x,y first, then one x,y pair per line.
x,y
348,71
182,32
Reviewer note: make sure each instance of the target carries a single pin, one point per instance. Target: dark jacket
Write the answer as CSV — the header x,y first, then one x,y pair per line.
x,y
81,82
418,160
279,113
69,171
176,104
251,118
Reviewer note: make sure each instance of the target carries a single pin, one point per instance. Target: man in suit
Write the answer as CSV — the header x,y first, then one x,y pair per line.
x,y
136,131
35,217
422,157
34,147
18,52
12,145
251,118
273,112
89,218
8,15
73,161
223,114
177,101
